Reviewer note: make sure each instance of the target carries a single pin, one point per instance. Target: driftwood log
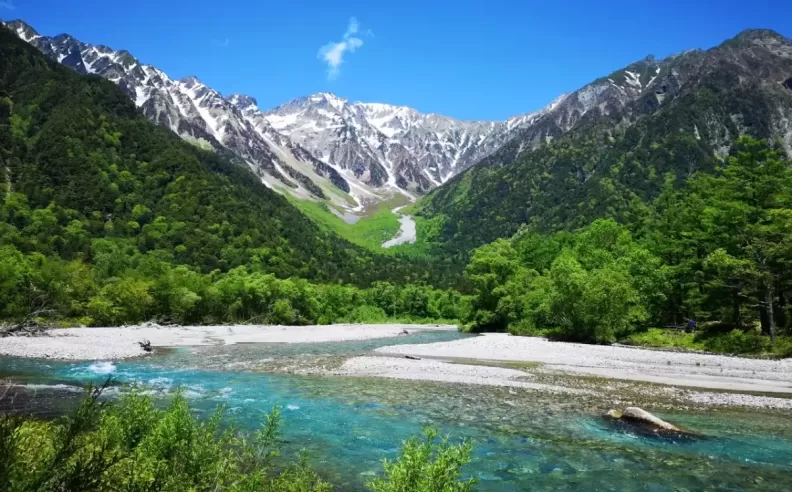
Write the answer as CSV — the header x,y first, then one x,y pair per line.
x,y
28,326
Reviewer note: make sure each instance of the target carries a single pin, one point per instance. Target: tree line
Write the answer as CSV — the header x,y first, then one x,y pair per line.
x,y
717,250
79,162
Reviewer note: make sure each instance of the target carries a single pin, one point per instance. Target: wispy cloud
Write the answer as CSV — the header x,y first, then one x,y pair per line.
x,y
222,43
333,53
7,4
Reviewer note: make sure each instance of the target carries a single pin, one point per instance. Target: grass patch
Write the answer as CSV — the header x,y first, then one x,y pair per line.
x,y
735,342
523,365
377,225
669,339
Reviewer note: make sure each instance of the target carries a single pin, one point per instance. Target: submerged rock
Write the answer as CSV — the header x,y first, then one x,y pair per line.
x,y
644,423
641,416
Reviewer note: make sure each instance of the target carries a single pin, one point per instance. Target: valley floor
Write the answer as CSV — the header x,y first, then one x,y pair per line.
x,y
122,342
604,373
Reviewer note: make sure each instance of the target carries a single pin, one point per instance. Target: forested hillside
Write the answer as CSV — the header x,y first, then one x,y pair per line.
x,y
717,250
109,218
615,161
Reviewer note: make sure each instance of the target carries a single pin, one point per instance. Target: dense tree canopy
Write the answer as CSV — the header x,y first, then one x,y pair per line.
x,y
614,163
78,162
715,250
106,218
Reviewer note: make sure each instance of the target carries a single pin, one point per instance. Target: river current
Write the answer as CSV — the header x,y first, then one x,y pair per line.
x,y
523,440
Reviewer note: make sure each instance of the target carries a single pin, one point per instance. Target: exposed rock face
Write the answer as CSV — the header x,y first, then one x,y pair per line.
x,y
391,145
307,143
231,125
621,137
323,145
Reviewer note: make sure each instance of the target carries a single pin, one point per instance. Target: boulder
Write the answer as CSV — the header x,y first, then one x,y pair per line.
x,y
642,416
643,423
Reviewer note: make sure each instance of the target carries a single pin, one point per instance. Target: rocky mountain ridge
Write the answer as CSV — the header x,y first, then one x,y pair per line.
x,y
324,147
320,147
618,143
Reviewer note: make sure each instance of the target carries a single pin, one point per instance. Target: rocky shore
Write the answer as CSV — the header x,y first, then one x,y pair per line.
x,y
122,342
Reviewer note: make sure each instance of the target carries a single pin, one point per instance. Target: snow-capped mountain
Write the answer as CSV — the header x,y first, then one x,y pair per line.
x,y
650,81
316,146
389,145
324,147
202,115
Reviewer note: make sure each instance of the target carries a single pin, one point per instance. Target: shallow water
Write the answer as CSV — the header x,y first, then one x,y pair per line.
x,y
523,440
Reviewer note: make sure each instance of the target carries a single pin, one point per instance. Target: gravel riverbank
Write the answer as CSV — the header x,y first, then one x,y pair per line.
x,y
122,342
673,368
407,230
433,370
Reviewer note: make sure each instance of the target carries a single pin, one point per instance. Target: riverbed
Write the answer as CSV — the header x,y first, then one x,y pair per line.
x,y
342,405
407,230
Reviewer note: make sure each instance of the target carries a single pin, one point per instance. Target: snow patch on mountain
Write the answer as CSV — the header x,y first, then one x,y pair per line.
x,y
324,147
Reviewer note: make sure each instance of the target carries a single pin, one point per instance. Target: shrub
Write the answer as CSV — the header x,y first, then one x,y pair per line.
x,y
738,342
428,466
135,446
367,314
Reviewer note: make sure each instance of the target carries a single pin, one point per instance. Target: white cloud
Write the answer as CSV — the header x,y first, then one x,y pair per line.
x,y
7,4
225,43
333,53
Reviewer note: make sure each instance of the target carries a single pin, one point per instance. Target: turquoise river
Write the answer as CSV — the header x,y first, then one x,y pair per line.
x,y
524,440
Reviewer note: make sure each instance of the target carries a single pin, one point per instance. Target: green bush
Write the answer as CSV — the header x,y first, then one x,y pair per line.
x,y
660,338
737,342
426,466
783,347
592,286
13,281
367,314
135,446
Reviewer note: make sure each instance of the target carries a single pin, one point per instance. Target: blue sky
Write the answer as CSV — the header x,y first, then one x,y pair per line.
x,y
468,59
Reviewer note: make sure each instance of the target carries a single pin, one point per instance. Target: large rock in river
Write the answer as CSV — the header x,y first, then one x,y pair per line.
x,y
639,421
641,416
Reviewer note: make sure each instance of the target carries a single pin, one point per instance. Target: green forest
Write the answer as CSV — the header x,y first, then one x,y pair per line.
x,y
107,219
662,227
615,162
716,250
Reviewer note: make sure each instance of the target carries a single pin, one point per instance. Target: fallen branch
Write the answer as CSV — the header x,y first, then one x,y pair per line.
x,y
28,326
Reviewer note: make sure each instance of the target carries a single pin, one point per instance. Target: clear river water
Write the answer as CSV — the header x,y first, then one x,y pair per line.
x,y
524,440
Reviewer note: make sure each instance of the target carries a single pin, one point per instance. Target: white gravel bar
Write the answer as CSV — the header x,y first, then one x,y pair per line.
x,y
434,370
122,342
619,362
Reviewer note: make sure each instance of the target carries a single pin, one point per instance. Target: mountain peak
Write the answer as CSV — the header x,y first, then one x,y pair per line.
x,y
758,34
328,97
242,101
191,81
763,37
22,29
